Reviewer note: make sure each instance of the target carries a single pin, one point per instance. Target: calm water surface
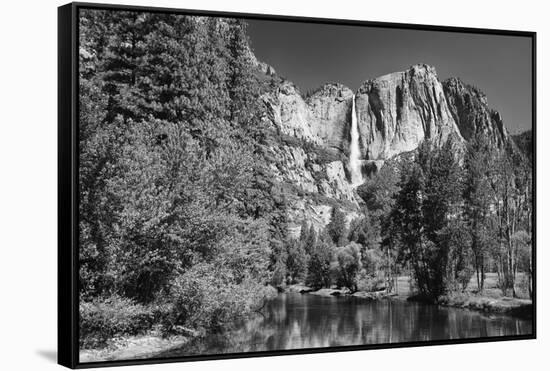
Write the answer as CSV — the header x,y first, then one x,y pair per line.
x,y
292,321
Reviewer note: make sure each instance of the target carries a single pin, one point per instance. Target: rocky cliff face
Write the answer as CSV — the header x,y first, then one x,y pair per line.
x,y
470,110
311,151
399,110
395,113
322,119
330,115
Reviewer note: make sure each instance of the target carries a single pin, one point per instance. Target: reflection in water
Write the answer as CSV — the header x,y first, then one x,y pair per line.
x,y
293,321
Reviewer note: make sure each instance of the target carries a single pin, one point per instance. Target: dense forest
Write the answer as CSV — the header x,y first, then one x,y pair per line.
x,y
183,227
178,214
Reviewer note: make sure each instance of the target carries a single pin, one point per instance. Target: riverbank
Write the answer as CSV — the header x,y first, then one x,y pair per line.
x,y
327,292
134,347
490,301
504,305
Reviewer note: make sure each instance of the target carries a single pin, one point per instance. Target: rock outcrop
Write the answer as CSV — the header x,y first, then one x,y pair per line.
x,y
396,112
330,115
471,112
322,119
290,113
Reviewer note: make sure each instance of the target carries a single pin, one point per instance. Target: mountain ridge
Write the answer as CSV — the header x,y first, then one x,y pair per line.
x,y
395,113
466,104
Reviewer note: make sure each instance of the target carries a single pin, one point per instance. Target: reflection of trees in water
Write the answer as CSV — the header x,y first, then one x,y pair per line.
x,y
306,321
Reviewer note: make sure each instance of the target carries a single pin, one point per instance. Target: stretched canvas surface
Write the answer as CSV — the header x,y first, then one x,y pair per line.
x,y
249,185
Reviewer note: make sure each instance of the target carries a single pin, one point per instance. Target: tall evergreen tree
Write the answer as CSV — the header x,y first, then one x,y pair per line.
x,y
308,237
337,227
408,218
296,262
478,203
318,269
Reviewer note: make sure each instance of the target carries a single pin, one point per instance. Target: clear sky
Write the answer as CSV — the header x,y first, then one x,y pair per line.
x,y
313,54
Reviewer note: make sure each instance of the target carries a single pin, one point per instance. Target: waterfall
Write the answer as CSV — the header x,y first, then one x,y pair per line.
x,y
355,155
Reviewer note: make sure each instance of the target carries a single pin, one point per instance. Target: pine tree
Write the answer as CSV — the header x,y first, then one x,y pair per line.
x,y
443,190
364,231
337,227
408,218
440,206
318,269
308,237
296,263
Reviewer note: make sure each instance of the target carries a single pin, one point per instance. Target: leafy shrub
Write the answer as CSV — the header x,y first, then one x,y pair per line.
x,y
207,298
106,318
349,265
372,260
291,140
326,155
371,277
370,282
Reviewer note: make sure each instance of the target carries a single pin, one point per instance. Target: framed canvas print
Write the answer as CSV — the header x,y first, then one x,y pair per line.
x,y
237,185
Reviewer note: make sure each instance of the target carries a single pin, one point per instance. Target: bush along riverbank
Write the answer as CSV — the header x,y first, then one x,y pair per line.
x,y
119,328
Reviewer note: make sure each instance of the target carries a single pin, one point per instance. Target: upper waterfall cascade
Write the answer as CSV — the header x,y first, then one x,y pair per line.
x,y
355,154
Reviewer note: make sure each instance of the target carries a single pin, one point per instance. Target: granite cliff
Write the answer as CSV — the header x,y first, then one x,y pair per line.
x,y
311,153
399,110
471,112
394,113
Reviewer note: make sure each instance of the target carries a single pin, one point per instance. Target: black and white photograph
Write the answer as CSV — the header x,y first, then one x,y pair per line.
x,y
248,184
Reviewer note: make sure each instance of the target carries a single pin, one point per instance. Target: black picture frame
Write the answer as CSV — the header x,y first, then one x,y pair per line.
x,y
68,165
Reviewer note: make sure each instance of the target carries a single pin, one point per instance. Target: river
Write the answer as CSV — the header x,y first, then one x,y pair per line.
x,y
293,321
